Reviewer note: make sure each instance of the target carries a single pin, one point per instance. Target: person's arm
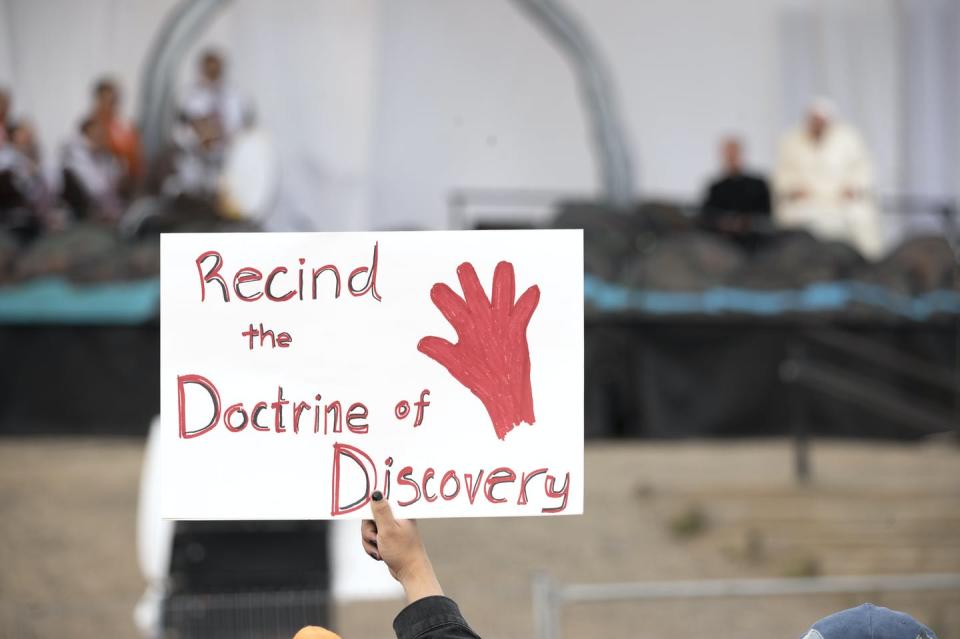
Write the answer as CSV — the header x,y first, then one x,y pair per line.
x,y
433,617
396,542
764,200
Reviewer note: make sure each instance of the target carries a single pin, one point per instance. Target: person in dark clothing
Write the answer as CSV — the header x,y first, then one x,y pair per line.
x,y
25,201
738,204
5,122
396,542
92,175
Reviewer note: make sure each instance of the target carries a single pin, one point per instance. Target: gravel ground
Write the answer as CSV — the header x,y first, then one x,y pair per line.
x,y
654,511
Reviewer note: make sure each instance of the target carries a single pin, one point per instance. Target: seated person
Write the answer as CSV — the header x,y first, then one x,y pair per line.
x,y
211,97
738,201
192,165
122,138
25,201
5,123
824,182
92,174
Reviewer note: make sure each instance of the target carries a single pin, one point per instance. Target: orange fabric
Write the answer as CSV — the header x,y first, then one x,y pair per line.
x,y
315,632
125,144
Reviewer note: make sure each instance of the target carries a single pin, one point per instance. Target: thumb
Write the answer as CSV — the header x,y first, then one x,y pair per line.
x,y
382,514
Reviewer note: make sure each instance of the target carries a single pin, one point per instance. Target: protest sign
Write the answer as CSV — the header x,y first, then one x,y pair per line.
x,y
302,371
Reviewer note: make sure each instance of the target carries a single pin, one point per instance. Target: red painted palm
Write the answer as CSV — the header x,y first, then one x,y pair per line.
x,y
491,357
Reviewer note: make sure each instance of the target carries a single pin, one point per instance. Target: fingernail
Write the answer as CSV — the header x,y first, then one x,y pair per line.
x,y
377,495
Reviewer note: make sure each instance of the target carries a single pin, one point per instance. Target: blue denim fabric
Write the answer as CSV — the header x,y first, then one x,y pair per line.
x,y
867,621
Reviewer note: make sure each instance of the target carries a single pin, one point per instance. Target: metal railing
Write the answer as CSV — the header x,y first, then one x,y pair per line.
x,y
228,615
549,596
802,372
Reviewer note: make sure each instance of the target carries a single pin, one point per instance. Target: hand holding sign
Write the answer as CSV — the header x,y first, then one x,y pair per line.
x,y
491,357
397,543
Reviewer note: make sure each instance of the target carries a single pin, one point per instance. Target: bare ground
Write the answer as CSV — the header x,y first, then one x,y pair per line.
x,y
654,511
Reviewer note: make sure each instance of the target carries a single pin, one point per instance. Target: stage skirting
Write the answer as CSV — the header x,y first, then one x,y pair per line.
x,y
85,358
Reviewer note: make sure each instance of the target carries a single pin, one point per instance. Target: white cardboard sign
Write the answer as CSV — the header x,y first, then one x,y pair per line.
x,y
300,372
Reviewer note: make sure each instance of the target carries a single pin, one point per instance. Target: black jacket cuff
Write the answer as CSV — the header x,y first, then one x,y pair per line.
x,y
428,617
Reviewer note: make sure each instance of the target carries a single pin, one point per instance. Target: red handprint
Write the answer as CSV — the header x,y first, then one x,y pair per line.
x,y
491,357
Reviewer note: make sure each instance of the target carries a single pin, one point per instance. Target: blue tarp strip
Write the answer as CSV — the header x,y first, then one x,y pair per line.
x,y
56,301
817,297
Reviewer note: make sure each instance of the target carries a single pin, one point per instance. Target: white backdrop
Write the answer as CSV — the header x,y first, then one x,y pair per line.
x,y
379,109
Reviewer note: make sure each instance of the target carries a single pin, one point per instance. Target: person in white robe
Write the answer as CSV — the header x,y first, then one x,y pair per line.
x,y
823,183
212,97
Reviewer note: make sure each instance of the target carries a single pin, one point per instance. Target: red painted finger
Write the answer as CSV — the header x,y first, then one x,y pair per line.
x,y
526,305
451,305
503,287
472,290
440,350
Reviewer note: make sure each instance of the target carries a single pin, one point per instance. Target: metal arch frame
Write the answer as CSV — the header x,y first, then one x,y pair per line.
x,y
595,83
185,23
609,146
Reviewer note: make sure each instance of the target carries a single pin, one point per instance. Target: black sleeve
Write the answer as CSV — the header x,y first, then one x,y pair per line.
x,y
432,618
765,203
709,201
711,210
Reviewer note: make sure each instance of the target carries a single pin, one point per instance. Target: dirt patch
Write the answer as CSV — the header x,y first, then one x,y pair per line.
x,y
654,511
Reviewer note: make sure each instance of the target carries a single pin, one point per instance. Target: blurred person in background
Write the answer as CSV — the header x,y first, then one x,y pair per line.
x,y
211,98
25,200
5,102
250,178
183,185
195,160
122,138
24,139
219,159
823,182
738,201
211,114
92,174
